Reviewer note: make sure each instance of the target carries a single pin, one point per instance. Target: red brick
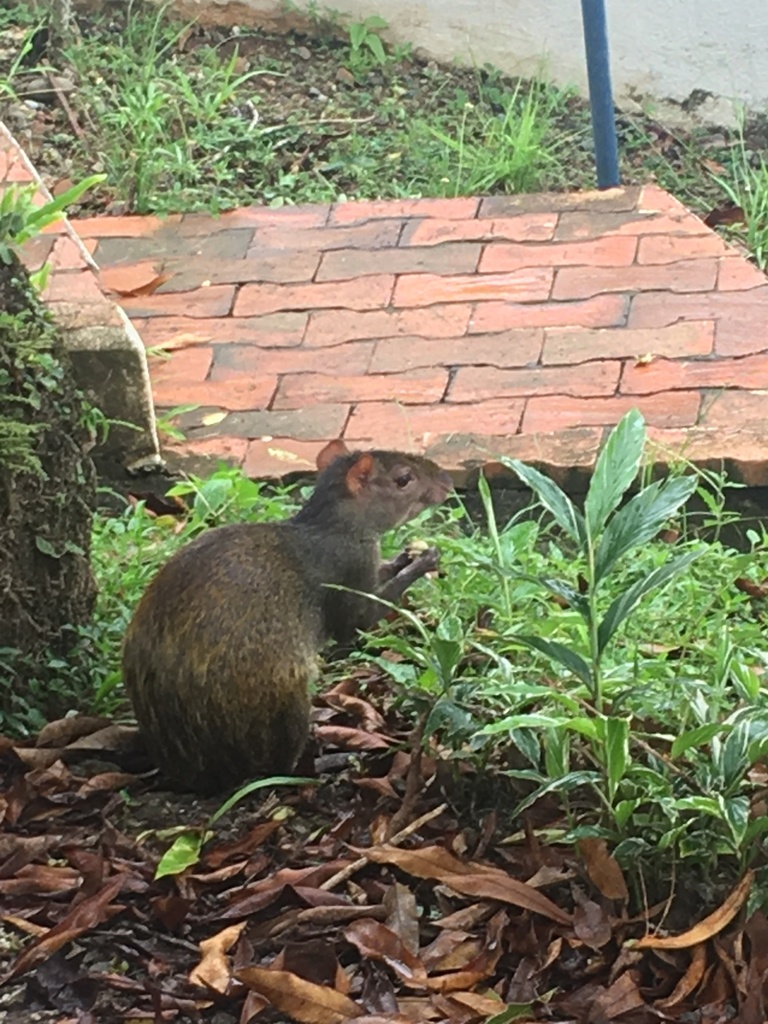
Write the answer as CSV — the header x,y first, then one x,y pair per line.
x,y
727,408
742,317
239,394
655,199
190,365
215,301
313,423
595,201
67,255
674,374
121,227
412,388
566,457
686,276
283,267
73,286
476,383
738,274
285,218
37,250
13,167
448,209
601,311
672,248
230,449
573,226
528,227
576,345
522,286
739,451
344,264
233,360
278,330
510,348
333,327
558,413
379,234
611,251
280,457
362,293
394,426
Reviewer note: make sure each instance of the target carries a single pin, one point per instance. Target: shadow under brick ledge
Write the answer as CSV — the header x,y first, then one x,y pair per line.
x,y
464,328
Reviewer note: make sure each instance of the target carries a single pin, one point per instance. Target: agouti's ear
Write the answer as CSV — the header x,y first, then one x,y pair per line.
x,y
359,473
332,451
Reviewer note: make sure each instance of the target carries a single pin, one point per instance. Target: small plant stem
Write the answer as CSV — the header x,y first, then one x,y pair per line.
x,y
594,643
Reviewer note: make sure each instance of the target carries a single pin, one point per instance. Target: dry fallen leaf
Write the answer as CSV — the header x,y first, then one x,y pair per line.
x,y
87,914
603,869
708,927
300,999
214,969
377,942
689,981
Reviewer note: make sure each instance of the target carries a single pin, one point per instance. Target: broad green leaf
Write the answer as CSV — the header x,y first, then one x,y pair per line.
x,y
696,737
182,854
566,515
616,732
524,721
703,804
447,654
624,810
736,814
616,468
625,603
732,761
567,782
584,726
376,47
640,520
557,753
375,22
563,655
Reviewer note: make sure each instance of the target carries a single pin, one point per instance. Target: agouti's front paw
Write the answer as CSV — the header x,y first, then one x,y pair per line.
x,y
425,560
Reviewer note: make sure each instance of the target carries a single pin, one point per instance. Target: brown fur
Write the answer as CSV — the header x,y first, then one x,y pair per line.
x,y
223,645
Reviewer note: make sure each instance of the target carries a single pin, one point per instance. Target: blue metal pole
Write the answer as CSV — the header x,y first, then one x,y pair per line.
x,y
600,94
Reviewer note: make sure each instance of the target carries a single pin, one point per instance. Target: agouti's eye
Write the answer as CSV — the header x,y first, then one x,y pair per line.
x,y
403,479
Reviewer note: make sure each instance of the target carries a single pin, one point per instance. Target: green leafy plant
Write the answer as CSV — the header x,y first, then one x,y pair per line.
x,y
364,40
21,218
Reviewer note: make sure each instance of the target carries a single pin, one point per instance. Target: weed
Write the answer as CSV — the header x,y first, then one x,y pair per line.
x,y
365,41
747,187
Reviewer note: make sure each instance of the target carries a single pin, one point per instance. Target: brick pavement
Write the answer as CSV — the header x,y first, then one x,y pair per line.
x,y
465,328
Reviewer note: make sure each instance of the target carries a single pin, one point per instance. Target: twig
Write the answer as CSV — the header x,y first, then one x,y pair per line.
x,y
350,869
413,779
64,103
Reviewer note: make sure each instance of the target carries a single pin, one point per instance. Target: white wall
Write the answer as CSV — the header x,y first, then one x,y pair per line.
x,y
661,50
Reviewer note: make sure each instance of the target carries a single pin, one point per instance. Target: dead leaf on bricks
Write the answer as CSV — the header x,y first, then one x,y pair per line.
x,y
214,971
302,1000
704,929
377,942
84,916
603,869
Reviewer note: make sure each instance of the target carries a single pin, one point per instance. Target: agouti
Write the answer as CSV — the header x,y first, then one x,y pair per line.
x,y
224,644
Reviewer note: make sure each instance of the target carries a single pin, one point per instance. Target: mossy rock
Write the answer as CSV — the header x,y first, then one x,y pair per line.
x,y
47,497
